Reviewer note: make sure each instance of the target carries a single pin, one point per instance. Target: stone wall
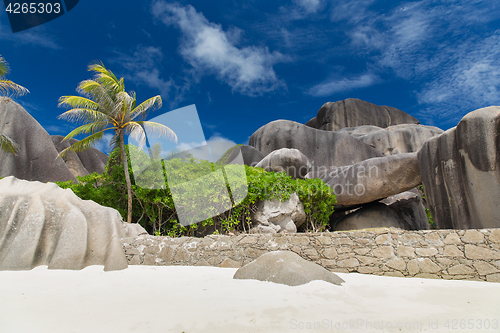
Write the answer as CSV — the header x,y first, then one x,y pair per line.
x,y
445,254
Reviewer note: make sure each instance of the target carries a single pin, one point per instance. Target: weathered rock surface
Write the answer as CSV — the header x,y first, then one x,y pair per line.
x,y
311,122
397,139
274,216
354,112
409,208
37,156
372,179
251,156
285,267
291,161
132,230
42,224
81,163
323,148
461,172
374,215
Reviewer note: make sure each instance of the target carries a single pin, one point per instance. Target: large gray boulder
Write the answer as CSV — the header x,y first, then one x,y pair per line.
x,y
274,216
372,179
409,208
251,156
461,172
82,163
374,215
42,224
37,157
285,267
323,148
404,211
397,139
291,161
354,112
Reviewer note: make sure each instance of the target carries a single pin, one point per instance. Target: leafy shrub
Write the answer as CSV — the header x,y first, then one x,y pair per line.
x,y
430,220
154,209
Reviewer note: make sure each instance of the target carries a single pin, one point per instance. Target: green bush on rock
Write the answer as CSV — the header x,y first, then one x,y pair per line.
x,y
154,209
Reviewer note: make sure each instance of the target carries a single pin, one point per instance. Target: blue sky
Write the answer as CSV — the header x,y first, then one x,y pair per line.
x,y
246,63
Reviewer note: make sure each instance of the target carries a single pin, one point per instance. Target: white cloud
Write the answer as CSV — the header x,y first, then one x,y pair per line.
x,y
38,36
342,85
471,81
142,67
353,11
309,6
206,47
104,144
442,45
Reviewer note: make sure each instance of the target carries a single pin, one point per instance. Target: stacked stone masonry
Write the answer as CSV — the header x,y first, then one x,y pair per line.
x,y
435,254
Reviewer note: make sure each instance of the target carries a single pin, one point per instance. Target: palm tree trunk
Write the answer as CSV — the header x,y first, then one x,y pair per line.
x,y
127,177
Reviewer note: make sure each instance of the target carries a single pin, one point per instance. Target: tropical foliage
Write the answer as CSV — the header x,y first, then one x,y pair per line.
x,y
155,210
106,106
6,86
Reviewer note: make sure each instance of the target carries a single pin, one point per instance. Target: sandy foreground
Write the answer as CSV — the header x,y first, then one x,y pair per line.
x,y
206,299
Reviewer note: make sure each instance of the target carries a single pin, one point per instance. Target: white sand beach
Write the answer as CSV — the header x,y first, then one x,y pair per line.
x,y
206,299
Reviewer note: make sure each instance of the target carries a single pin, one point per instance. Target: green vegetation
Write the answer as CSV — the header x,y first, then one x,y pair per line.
x,y
154,209
107,106
432,224
6,143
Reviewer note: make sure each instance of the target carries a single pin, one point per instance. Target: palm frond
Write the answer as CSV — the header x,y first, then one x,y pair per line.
x,y
134,96
97,93
122,108
8,145
107,78
78,102
161,130
17,90
4,67
84,116
136,131
145,107
115,142
82,144
88,128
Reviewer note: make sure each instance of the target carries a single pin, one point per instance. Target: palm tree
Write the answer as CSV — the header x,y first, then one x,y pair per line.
x,y
6,143
106,106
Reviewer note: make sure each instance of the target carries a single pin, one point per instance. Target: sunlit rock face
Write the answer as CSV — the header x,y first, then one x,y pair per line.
x,y
461,172
36,158
42,224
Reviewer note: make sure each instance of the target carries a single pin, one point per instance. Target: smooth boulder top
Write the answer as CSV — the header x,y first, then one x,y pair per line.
x,y
397,139
354,112
37,157
291,161
286,267
323,148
